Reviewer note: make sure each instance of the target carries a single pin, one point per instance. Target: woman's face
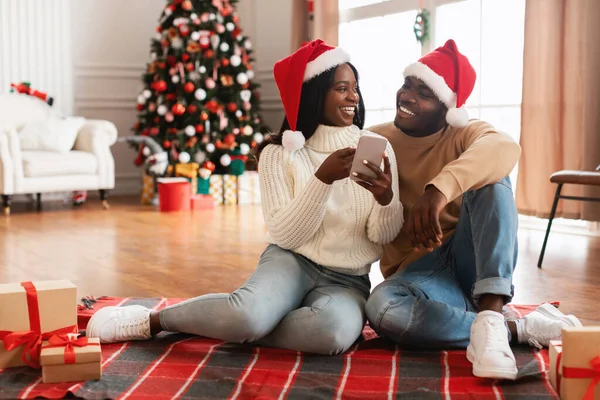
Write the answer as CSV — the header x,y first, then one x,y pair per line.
x,y
342,98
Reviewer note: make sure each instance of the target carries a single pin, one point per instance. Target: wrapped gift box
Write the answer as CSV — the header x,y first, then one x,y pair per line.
x,y
223,188
65,358
555,372
30,312
202,202
580,363
249,188
148,192
189,171
174,194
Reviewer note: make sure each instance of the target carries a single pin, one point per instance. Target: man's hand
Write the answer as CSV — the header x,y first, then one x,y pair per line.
x,y
423,226
381,186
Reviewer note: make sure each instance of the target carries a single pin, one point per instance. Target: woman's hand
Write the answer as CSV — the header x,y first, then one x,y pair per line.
x,y
381,186
336,166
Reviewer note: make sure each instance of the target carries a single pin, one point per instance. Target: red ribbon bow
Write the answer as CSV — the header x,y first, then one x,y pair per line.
x,y
585,373
69,343
33,338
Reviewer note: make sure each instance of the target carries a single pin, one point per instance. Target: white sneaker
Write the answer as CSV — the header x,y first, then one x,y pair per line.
x,y
120,324
543,325
489,350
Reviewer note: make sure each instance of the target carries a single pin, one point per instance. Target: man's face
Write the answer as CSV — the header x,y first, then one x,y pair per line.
x,y
418,110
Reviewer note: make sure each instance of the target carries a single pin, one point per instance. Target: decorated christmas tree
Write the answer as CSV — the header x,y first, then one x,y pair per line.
x,y
199,102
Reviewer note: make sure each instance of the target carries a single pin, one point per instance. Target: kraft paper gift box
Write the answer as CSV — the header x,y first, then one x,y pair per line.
x,y
31,312
148,192
580,363
249,188
67,359
555,355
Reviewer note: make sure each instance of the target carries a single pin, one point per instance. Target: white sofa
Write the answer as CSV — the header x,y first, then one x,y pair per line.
x,y
87,165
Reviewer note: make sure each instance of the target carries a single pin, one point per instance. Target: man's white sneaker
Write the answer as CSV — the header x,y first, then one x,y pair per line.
x,y
544,324
489,349
120,324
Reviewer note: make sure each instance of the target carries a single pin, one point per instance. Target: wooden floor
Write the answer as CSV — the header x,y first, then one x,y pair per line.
x,y
133,250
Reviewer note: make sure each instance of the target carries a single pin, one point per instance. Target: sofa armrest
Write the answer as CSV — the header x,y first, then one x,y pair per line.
x,y
95,131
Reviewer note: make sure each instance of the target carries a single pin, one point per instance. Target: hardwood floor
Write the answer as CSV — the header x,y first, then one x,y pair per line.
x,y
133,250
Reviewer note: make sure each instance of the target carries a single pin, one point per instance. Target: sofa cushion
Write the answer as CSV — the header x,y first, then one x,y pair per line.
x,y
53,134
48,163
19,109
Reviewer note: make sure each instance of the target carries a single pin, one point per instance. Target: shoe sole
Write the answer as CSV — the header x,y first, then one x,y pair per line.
x,y
552,312
492,373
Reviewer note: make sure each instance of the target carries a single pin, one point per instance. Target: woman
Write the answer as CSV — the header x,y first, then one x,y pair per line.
x,y
310,287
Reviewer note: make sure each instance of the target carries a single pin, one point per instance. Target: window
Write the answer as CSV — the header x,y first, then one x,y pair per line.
x,y
379,36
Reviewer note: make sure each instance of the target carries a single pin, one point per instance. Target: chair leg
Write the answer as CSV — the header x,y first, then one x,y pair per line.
x,y
552,213
38,201
104,198
6,198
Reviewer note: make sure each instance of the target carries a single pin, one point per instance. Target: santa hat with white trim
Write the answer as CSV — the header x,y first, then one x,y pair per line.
x,y
307,62
450,75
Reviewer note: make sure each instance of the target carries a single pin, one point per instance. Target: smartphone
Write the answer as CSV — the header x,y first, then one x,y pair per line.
x,y
371,148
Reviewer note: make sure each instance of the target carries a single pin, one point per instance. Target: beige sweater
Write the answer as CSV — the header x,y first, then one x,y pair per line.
x,y
454,160
338,226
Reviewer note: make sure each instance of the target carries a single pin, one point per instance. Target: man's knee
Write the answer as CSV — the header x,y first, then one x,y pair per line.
x,y
389,309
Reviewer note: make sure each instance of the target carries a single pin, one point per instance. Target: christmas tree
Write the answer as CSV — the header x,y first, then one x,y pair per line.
x,y
199,102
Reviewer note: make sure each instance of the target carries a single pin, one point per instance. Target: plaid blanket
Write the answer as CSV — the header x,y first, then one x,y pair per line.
x,y
186,367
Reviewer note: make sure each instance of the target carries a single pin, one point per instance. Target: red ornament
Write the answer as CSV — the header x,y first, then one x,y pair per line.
x,y
189,87
166,144
229,139
225,62
189,67
184,30
156,120
231,107
218,144
140,107
253,144
209,166
173,131
154,131
199,128
192,109
226,11
185,57
186,5
236,32
212,106
159,86
171,96
173,7
203,116
178,109
159,29
171,60
136,126
236,19
209,53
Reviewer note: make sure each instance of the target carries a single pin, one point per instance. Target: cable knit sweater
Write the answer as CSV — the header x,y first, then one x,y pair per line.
x,y
339,226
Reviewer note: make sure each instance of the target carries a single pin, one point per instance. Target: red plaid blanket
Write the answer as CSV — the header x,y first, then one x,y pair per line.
x,y
181,366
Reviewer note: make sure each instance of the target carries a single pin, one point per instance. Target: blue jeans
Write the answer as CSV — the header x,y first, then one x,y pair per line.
x,y
433,301
289,302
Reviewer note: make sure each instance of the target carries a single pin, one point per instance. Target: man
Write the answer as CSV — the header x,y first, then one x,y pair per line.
x,y
449,272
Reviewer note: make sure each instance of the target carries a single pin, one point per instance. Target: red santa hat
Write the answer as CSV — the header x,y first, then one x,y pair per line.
x,y
450,75
307,62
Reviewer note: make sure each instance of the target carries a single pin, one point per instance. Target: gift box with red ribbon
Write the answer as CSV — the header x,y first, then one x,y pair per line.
x,y
580,366
66,358
555,371
30,313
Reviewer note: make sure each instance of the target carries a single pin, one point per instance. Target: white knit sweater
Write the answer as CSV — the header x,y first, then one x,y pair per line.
x,y
338,226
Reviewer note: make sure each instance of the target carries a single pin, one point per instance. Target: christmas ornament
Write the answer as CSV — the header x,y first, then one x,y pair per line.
x,y
248,44
147,94
192,109
202,69
200,94
245,95
187,5
209,53
250,74
200,158
220,29
184,30
203,116
230,26
231,107
168,11
209,166
204,17
194,16
199,128
191,142
242,78
247,106
195,36
185,57
204,42
225,160
214,41
236,60
166,144
210,84
226,80
236,131
239,113
178,109
258,137
421,26
169,117
176,43
212,16
210,147
193,48
224,47
175,79
229,140
159,86
189,87
151,107
154,131
244,148
225,62
162,109
184,157
190,130
141,99
248,130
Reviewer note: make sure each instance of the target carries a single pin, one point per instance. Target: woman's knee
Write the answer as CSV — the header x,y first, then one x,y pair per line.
x,y
247,322
389,309
342,333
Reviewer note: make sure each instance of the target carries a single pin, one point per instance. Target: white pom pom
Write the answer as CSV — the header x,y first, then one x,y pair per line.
x,y
457,117
292,140
146,151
